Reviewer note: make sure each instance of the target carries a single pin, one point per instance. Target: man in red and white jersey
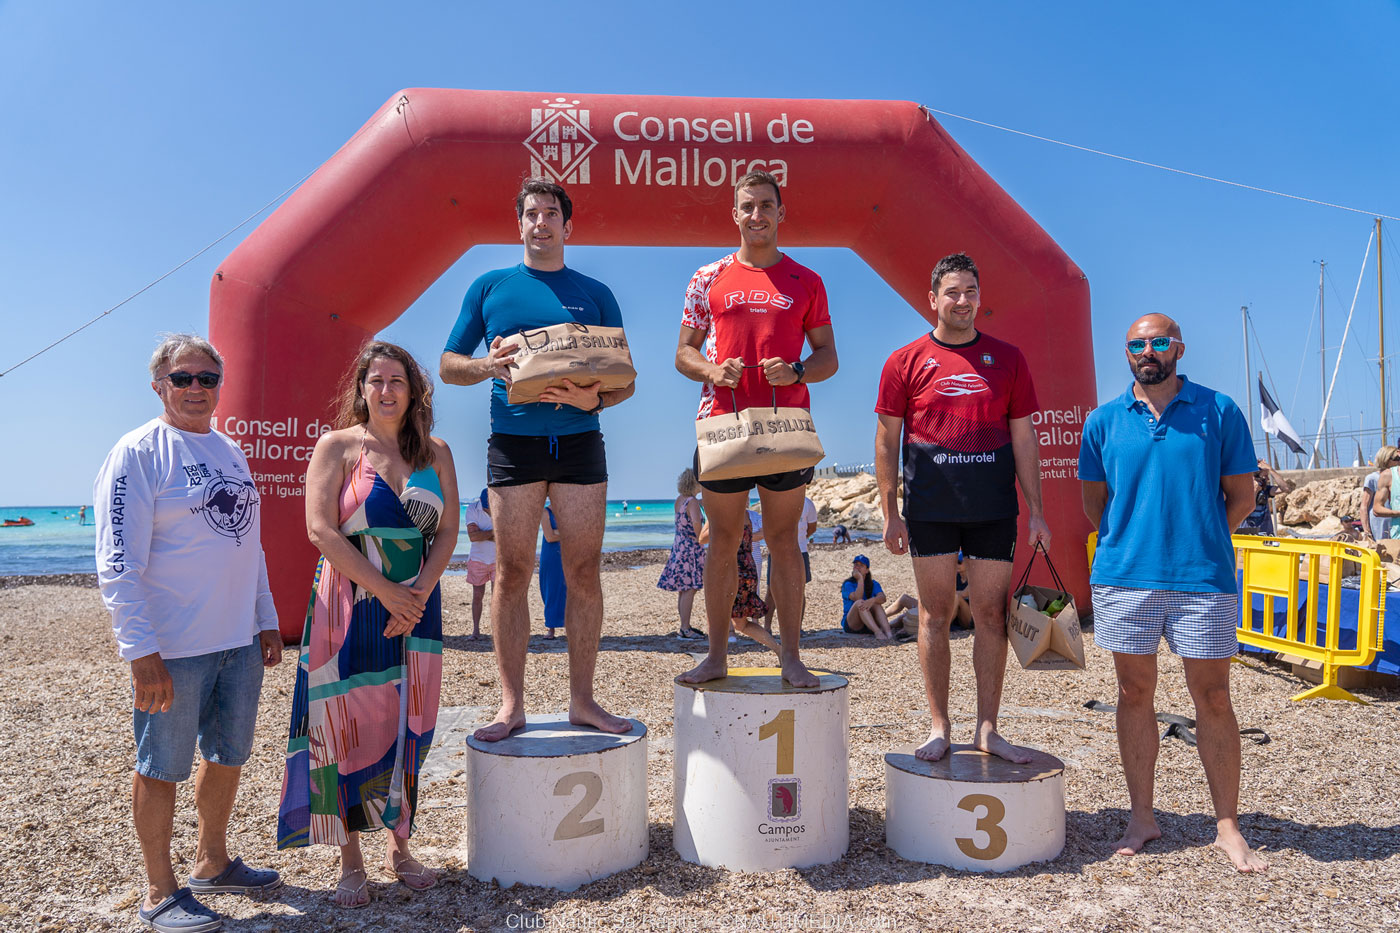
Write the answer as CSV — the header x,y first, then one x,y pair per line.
x,y
746,319
963,402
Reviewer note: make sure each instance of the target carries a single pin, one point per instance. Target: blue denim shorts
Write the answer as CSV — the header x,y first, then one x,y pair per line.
x,y
215,706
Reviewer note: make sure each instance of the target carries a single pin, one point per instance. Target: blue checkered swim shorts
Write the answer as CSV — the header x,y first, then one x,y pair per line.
x,y
1197,625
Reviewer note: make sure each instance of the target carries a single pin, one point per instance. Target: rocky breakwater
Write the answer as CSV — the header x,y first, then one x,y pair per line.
x,y
853,501
1321,504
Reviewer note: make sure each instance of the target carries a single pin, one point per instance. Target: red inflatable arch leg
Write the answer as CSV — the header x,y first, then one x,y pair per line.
x,y
423,181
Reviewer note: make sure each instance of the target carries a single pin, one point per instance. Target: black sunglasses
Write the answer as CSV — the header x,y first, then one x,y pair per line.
x,y
182,380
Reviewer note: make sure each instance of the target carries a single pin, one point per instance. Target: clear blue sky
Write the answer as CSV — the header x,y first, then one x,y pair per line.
x,y
137,134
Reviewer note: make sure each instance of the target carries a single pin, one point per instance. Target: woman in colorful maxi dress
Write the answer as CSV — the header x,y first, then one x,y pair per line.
x,y
370,668
684,573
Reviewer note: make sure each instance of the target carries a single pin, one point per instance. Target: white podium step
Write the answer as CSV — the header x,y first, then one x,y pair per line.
x,y
974,811
761,771
556,805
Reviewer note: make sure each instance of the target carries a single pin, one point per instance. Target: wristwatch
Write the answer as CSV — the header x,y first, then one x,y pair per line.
x,y
597,410
798,369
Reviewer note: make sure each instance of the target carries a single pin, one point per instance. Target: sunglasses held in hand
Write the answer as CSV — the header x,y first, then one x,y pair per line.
x,y
182,380
1138,345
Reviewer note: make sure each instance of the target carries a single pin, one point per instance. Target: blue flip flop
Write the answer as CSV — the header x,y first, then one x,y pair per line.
x,y
180,913
238,878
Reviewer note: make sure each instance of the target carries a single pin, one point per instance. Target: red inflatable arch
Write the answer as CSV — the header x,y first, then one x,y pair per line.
x,y
425,180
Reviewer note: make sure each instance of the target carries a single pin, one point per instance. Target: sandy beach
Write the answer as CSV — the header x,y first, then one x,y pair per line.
x,y
1319,799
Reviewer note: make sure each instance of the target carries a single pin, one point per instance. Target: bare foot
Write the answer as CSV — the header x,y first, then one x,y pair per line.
x,y
351,892
504,725
474,636
935,748
795,674
709,669
1245,859
589,713
994,744
1138,834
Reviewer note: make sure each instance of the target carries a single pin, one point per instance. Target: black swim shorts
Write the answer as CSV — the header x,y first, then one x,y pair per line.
x,y
519,459
777,482
994,540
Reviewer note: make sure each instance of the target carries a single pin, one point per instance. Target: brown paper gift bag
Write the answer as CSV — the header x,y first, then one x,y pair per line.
x,y
1042,642
756,441
582,353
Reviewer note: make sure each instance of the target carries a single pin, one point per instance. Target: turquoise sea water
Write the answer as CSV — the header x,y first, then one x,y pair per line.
x,y
56,543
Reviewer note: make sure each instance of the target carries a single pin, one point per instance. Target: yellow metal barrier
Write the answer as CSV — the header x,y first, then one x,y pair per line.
x,y
1282,567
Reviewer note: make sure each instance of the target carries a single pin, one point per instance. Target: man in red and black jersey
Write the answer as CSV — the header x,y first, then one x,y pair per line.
x,y
746,319
963,402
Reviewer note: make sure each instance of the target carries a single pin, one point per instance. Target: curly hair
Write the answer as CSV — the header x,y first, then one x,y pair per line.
x,y
415,434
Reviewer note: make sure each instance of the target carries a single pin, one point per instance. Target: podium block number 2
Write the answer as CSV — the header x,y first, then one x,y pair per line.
x,y
784,726
573,825
989,823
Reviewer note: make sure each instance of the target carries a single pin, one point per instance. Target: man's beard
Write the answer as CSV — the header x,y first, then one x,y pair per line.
x,y
1162,373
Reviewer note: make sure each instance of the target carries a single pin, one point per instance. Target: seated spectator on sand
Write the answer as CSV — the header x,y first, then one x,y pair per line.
x,y
863,605
1375,527
481,562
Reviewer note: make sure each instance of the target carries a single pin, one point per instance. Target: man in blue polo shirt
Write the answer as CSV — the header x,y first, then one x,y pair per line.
x,y
537,450
1168,473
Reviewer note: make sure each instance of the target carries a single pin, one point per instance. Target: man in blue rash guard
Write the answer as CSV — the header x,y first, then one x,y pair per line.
x,y
537,450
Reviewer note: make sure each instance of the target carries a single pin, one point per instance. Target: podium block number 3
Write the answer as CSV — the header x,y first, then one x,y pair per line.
x,y
989,823
573,825
784,726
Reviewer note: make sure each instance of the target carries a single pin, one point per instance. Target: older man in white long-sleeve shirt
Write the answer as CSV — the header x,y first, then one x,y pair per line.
x,y
181,568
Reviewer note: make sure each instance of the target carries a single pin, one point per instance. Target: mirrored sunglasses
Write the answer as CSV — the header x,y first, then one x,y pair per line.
x,y
1158,344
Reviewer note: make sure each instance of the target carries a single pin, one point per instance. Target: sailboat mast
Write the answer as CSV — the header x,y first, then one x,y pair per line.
x,y
1322,352
1248,389
1380,311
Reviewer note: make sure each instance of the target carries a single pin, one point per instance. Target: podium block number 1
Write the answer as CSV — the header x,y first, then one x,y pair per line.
x,y
784,726
573,825
989,823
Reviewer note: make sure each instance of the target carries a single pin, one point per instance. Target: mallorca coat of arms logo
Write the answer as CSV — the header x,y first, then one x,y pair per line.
x,y
559,141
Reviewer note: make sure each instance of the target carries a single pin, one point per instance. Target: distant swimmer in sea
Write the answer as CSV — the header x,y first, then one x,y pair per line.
x,y
747,317
548,449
